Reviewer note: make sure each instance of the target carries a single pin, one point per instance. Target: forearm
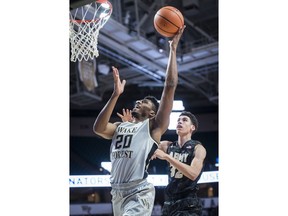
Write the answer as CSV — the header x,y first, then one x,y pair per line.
x,y
171,81
166,102
185,169
172,73
104,116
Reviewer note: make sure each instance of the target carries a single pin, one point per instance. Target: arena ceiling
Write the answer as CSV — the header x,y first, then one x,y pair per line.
x,y
129,41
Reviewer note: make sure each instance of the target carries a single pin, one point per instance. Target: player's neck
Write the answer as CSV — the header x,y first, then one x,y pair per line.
x,y
137,120
183,139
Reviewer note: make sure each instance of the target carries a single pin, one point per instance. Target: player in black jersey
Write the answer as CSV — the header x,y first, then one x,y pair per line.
x,y
186,159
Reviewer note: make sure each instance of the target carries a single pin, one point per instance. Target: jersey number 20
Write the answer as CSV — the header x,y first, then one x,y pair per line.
x,y
123,141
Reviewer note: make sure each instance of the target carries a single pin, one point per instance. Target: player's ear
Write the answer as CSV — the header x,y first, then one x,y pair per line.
x,y
152,113
192,128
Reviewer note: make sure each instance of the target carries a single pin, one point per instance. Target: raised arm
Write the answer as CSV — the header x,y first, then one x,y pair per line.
x,y
102,126
171,80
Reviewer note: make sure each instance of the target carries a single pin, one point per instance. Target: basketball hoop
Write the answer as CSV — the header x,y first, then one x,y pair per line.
x,y
85,23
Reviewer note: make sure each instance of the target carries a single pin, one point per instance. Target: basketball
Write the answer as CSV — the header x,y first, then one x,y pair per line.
x,y
168,20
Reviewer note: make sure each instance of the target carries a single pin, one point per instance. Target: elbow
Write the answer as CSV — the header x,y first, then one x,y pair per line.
x,y
102,132
193,176
99,133
96,129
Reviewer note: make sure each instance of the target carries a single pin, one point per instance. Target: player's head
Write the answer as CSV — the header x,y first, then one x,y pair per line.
x,y
154,102
187,121
145,108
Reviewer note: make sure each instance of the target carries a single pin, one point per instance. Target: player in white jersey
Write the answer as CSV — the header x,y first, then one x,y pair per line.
x,y
133,143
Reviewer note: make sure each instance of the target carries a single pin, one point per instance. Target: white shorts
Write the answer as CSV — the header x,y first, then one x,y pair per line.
x,y
133,199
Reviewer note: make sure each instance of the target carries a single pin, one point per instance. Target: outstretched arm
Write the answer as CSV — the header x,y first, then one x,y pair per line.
x,y
171,80
102,126
191,171
163,146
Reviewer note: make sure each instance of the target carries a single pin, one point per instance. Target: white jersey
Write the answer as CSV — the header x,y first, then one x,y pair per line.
x,y
130,152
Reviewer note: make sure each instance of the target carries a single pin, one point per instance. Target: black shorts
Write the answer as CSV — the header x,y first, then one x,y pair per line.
x,y
183,207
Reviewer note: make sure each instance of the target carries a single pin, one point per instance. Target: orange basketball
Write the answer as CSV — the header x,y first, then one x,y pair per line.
x,y
168,20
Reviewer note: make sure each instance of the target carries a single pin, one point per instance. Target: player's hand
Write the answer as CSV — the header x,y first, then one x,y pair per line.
x,y
118,85
159,154
175,40
126,116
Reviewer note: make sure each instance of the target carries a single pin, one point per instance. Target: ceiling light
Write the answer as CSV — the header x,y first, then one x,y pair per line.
x,y
103,68
107,166
177,105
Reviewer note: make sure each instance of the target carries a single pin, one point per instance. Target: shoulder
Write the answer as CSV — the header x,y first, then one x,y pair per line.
x,y
200,150
197,144
117,123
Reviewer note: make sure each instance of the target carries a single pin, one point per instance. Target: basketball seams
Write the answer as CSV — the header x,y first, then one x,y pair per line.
x,y
173,10
171,33
168,20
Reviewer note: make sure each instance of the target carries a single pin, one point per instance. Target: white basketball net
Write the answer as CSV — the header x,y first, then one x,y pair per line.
x,y
85,23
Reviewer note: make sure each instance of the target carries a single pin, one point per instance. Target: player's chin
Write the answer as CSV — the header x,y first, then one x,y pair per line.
x,y
178,130
134,112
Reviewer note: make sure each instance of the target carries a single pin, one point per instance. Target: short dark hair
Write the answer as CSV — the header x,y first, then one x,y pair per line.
x,y
192,118
154,102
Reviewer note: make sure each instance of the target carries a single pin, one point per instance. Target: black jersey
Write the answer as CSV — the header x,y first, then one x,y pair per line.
x,y
179,185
